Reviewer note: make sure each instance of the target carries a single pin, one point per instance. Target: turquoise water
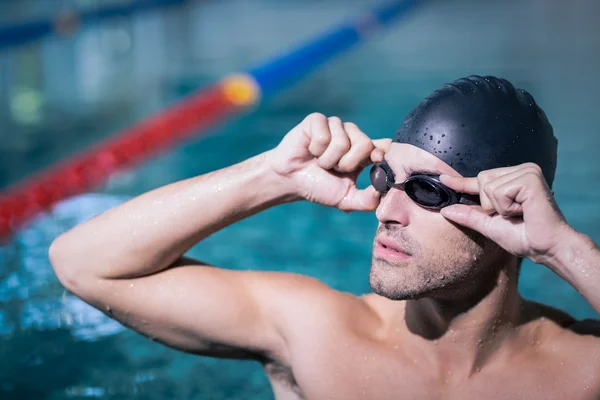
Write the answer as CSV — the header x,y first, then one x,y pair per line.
x,y
60,96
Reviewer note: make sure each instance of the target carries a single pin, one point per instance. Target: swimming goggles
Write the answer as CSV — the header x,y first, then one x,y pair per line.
x,y
425,190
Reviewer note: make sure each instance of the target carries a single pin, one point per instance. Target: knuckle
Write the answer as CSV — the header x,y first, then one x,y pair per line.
x,y
488,188
335,120
322,138
355,131
316,115
533,167
482,177
532,178
341,145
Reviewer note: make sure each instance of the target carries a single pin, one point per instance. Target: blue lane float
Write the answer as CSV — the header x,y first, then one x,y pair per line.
x,y
69,21
289,67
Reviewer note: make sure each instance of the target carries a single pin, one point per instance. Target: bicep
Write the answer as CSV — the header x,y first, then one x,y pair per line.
x,y
194,307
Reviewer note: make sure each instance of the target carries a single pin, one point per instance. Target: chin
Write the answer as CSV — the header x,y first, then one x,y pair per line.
x,y
399,281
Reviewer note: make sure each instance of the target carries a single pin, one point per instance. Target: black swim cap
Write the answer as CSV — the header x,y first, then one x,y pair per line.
x,y
480,123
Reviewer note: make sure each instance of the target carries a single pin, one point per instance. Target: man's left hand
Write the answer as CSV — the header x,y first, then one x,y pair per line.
x,y
517,211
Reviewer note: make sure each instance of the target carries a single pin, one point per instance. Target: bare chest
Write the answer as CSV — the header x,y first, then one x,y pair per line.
x,y
352,371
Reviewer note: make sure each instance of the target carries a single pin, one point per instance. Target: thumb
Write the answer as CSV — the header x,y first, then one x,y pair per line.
x,y
382,144
469,217
360,200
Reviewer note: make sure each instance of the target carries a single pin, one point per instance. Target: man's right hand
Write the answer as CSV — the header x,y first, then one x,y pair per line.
x,y
320,159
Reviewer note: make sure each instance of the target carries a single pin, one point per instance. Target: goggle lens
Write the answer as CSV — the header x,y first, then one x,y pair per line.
x,y
379,179
426,193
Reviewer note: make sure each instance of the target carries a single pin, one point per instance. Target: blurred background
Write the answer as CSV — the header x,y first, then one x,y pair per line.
x,y
63,93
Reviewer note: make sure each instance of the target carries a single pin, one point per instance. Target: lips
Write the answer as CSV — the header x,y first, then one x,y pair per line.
x,y
390,245
389,250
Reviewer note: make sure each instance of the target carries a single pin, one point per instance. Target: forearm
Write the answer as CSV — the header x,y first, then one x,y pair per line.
x,y
578,262
150,232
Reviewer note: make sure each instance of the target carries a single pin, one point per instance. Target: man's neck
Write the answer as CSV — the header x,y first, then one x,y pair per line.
x,y
465,335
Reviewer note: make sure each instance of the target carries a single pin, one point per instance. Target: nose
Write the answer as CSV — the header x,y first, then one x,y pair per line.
x,y
394,208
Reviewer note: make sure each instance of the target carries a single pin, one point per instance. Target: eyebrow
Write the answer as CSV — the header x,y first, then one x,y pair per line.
x,y
410,171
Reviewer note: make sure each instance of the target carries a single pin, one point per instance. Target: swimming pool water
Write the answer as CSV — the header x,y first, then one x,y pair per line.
x,y
53,346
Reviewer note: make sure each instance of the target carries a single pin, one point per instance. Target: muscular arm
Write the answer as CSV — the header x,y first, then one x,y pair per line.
x,y
128,263
578,262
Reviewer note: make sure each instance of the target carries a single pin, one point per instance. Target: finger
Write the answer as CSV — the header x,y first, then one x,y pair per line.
x,y
528,186
360,200
338,147
502,193
470,186
383,144
461,184
501,187
377,155
361,147
493,174
473,185
381,147
318,131
468,217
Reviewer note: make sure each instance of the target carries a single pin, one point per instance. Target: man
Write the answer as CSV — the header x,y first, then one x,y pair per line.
x,y
462,195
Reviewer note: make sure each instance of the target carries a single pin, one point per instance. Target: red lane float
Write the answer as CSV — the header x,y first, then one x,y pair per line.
x,y
127,148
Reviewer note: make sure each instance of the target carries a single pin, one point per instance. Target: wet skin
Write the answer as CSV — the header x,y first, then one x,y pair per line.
x,y
445,320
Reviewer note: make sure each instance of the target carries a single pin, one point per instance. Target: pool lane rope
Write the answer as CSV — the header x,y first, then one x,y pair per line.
x,y
179,122
67,22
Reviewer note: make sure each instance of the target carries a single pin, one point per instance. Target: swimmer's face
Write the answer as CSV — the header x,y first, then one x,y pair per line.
x,y
444,260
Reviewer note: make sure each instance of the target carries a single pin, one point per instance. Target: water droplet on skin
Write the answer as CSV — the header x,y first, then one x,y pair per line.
x,y
442,277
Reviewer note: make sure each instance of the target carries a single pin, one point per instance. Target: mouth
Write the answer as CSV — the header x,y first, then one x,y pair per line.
x,y
387,249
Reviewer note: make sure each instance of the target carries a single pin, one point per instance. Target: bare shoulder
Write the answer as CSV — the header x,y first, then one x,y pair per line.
x,y
563,321
568,347
307,306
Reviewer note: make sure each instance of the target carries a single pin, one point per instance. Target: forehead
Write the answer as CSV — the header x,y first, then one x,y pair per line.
x,y
404,157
